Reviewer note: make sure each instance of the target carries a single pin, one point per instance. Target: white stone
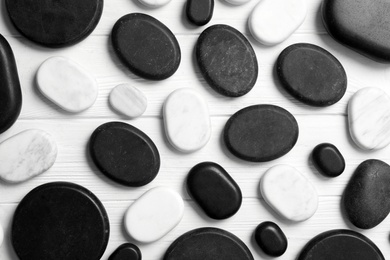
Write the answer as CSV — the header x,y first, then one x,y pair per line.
x,y
154,214
273,21
289,193
237,2
128,100
186,120
1,235
67,84
154,3
369,118
26,155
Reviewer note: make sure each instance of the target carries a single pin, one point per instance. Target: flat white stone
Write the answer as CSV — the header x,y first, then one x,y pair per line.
x,y
128,100
273,21
154,3
289,193
369,118
237,2
26,155
1,235
187,120
67,84
154,214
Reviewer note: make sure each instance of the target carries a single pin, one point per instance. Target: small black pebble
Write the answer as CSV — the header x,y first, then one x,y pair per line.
x,y
126,251
200,12
271,239
328,160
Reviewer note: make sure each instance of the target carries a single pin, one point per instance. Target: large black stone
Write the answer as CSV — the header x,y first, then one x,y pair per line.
x,y
367,195
60,220
126,251
199,12
125,154
271,239
328,160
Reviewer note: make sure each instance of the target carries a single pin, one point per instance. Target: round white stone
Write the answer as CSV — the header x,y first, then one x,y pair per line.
x,y
67,84
273,21
154,214
154,3
369,118
26,155
289,193
186,120
128,100
237,2
1,235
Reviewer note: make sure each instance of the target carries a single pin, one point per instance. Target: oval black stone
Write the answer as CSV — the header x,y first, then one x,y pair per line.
x,y
367,195
340,245
261,133
126,251
60,220
54,23
125,154
214,190
311,74
227,60
208,243
10,91
271,239
328,160
200,12
146,46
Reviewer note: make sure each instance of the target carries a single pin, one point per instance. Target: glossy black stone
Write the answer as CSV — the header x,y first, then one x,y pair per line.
x,y
126,251
328,160
367,195
10,91
340,245
311,74
146,46
261,133
124,153
226,60
199,12
208,243
60,220
271,239
214,190
54,23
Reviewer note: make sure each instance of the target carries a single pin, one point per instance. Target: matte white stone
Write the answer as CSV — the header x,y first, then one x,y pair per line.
x,y
128,100
26,155
154,3
1,235
289,193
369,118
237,2
273,21
186,120
154,214
67,84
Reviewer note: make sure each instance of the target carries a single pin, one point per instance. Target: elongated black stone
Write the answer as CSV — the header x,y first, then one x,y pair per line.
x,y
271,239
200,12
126,251
328,160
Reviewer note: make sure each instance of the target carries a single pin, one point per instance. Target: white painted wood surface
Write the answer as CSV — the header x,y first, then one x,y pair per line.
x,y
72,131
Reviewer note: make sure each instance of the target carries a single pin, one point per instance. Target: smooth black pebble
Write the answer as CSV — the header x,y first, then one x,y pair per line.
x,y
124,153
208,243
146,46
10,91
261,133
60,220
340,245
362,25
227,60
328,160
367,195
54,23
214,190
126,251
271,239
199,12
311,74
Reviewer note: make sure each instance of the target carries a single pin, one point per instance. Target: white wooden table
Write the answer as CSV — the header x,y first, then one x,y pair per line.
x,y
72,131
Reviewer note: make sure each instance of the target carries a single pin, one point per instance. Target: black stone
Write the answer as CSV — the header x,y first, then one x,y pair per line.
x,y
124,153
10,91
367,195
214,190
200,12
311,74
60,220
208,243
340,245
126,251
54,23
271,239
261,133
328,160
362,25
146,46
226,60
